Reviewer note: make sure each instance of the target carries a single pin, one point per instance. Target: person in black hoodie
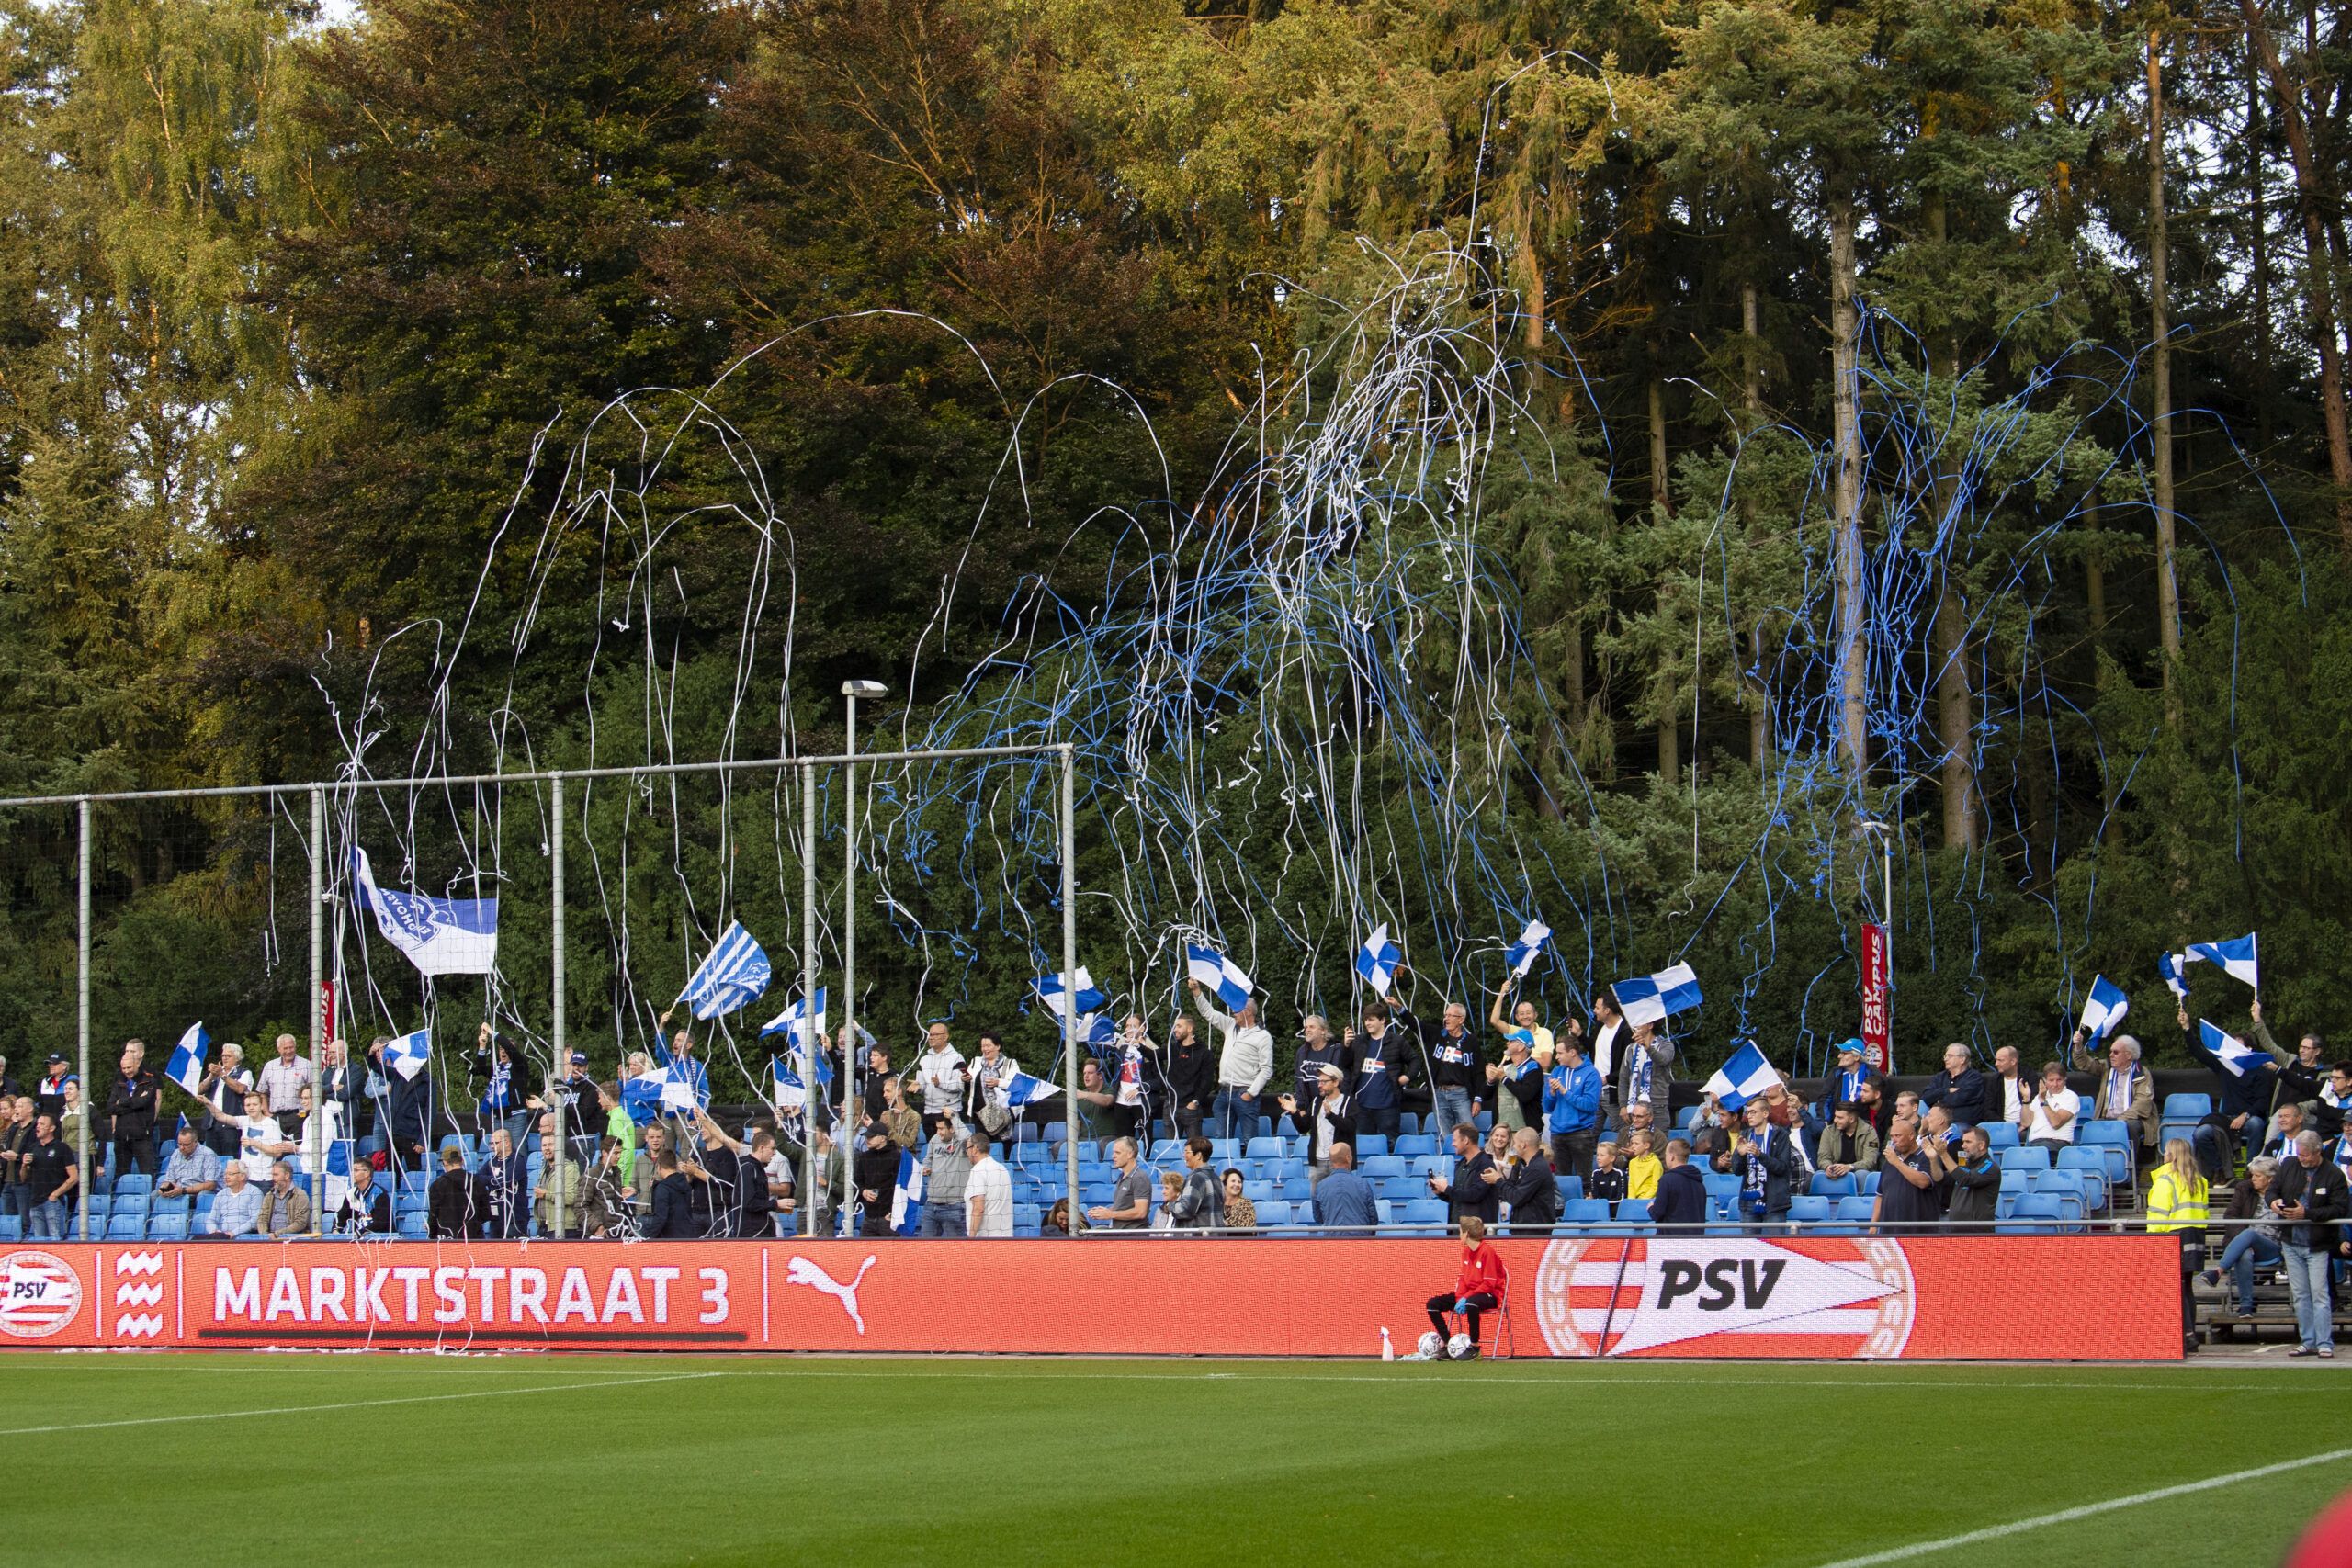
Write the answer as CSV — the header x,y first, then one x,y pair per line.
x,y
673,1216
877,1176
1468,1190
1315,1049
130,1110
1681,1206
458,1204
1529,1186
1961,1089
1190,1069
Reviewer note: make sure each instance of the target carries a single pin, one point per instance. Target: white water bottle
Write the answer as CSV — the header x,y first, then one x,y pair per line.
x,y
1387,1349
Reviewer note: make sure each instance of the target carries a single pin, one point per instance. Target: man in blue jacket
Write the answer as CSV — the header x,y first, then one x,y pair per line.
x,y
1343,1198
1572,1109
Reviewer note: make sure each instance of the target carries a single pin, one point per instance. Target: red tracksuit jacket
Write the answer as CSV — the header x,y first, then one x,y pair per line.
x,y
1482,1272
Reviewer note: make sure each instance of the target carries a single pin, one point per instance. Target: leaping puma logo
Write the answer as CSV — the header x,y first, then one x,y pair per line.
x,y
801,1271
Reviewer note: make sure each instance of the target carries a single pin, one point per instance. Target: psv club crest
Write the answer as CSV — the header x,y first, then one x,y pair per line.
x,y
40,1294
1830,1297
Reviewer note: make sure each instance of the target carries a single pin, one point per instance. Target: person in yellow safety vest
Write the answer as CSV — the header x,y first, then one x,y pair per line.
x,y
2180,1202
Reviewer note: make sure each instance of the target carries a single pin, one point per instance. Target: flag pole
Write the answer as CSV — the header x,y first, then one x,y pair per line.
x,y
317,1006
555,999
1069,983
82,970
811,1088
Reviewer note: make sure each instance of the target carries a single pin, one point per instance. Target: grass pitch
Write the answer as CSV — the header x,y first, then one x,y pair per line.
x,y
669,1458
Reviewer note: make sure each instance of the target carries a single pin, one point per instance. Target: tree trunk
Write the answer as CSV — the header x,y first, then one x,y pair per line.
x,y
2258,225
1846,491
1955,703
1669,735
2318,290
2160,382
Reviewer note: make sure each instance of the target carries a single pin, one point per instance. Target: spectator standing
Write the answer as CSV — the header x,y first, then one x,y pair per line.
x,y
16,1159
1606,1041
130,1113
284,1077
2310,1195
408,1107
340,1084
616,1150
1646,1075
1342,1202
226,1085
53,1173
719,1175
1478,1286
1572,1094
940,1073
1317,1051
946,1171
898,1118
1908,1194
1243,1065
2255,1243
190,1168
2048,1121
236,1208
1524,1021
1846,1083
673,1216
1456,1075
1189,1073
1130,1205
48,1094
285,1208
1681,1206
73,1122
456,1205
584,1211
987,1191
365,1209
1960,1089
1200,1201
778,1166
261,1142
506,1174
1097,1106
1379,1072
1240,1215
2012,1092
1529,1188
1328,1120
1518,1081
1470,1191
877,1180
1971,1195
991,1075
2246,1100
2179,1204
1847,1144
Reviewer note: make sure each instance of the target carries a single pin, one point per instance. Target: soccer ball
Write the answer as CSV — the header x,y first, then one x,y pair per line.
x,y
1430,1344
1457,1347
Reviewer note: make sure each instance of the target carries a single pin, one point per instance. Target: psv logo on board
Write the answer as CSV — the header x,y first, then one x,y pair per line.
x,y
40,1294
1817,1296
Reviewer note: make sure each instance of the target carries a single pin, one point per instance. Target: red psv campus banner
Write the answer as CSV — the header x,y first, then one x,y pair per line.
x,y
1878,1049
1810,1297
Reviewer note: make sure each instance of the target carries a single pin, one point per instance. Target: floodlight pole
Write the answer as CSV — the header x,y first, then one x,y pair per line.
x,y
850,691
317,1139
556,1036
89,1121
1069,983
811,1088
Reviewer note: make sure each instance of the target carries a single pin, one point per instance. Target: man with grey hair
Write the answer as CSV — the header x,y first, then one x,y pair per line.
x,y
947,1171
2309,1194
2126,1092
988,1191
1317,1050
1130,1205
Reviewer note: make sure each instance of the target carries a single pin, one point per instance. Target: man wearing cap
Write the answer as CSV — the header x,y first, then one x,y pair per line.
x,y
48,1094
1242,1067
1846,1083
1328,1120
1519,1081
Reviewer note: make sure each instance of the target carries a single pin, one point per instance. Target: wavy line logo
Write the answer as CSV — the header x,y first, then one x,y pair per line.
x,y
40,1294
147,1263
138,1295
139,1326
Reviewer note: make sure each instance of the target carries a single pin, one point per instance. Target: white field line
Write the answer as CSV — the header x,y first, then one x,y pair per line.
x,y
346,1404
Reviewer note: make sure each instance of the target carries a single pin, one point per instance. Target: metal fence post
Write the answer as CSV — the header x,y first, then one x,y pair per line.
x,y
317,1140
1069,982
556,1035
811,1088
82,982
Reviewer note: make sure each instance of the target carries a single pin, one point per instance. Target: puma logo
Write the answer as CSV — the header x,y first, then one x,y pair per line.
x,y
804,1271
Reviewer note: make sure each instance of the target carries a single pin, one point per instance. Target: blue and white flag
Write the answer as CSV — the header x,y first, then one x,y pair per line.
x,y
2236,958
440,936
2168,965
794,1020
186,1065
1049,991
1377,961
788,1092
1533,943
408,1054
2233,1053
734,974
1220,973
1097,1030
1023,1088
906,1198
2104,1008
1742,1079
1651,997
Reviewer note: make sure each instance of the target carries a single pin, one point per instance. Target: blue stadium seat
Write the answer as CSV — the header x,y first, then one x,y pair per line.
x,y
2016,1183
1486,1122
11,1228
1379,1168
1998,1135
134,1182
1866,1183
1634,1212
1382,1211
2187,1107
1225,1151
1584,1215
132,1203
1721,1185
1685,1117
1433,1164
1571,1187
412,1225
1414,1122
1264,1148
127,1227
1428,1214
2023,1157
1415,1145
1028,1214
1297,1188
1855,1208
168,1228
1371,1146
1167,1151
1272,1212
1258,1192
2032,1213
1809,1210
1827,1186
2113,1142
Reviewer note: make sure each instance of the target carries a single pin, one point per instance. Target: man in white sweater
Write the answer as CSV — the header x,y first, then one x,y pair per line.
x,y
1243,1065
939,1076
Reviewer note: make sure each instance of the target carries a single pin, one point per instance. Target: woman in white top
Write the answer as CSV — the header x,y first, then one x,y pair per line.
x,y
2049,1120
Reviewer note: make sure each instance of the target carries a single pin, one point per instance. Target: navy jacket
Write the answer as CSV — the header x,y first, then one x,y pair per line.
x,y
1681,1197
1343,1198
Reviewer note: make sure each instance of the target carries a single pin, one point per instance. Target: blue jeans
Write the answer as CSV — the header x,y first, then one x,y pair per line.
x,y
2247,1250
1233,1114
2212,1145
941,1222
2307,1283
1453,1111
48,1222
